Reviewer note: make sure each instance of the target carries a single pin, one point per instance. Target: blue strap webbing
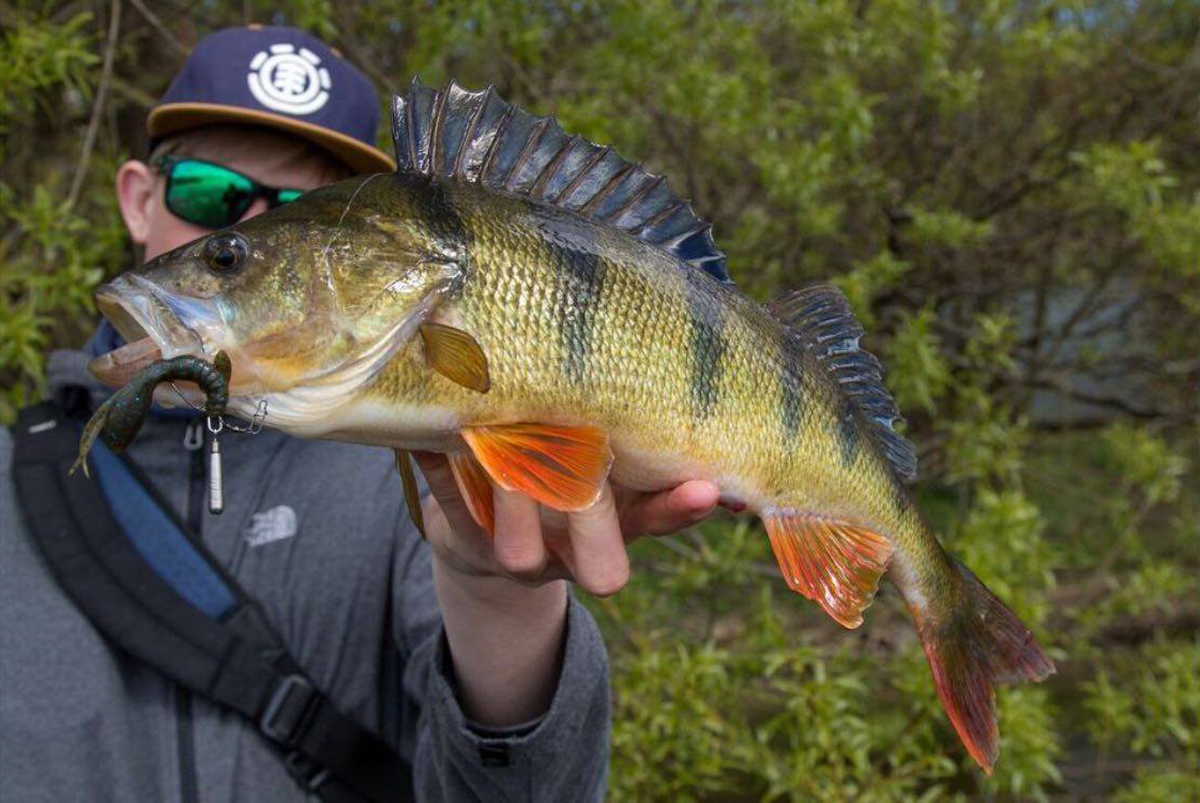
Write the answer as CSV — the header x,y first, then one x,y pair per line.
x,y
158,539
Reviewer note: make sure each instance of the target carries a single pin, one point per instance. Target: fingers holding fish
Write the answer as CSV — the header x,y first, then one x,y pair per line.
x,y
444,490
668,511
601,564
532,544
519,548
460,543
522,547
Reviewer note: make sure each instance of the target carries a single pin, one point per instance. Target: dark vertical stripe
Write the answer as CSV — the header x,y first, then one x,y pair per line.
x,y
708,344
436,210
847,432
581,286
791,386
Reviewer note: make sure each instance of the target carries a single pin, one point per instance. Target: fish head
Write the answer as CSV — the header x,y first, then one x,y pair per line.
x,y
320,291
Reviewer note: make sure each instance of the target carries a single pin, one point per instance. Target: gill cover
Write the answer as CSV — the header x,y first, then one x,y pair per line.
x,y
319,395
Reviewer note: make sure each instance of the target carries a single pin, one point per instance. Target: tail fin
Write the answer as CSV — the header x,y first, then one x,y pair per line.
x,y
982,642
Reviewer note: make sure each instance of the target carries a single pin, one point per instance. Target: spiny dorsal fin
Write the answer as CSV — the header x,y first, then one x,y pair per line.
x,y
821,317
478,137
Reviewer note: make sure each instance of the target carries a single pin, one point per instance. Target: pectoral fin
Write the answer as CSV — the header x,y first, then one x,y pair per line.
x,y
412,497
456,355
833,563
562,467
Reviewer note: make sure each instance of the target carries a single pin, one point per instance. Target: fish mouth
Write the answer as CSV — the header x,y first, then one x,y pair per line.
x,y
152,322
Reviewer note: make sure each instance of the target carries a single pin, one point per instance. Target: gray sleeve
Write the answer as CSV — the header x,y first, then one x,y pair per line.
x,y
561,756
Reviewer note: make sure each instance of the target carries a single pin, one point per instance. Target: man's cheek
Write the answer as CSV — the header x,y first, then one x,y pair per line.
x,y
168,232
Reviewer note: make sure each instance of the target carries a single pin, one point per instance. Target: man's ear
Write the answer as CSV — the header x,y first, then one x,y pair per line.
x,y
135,194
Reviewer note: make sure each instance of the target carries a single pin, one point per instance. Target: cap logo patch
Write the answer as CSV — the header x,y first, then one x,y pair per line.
x,y
288,80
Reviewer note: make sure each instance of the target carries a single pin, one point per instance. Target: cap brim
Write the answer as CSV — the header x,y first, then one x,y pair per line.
x,y
171,118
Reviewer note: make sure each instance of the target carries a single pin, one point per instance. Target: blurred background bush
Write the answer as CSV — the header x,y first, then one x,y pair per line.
x,y
1007,191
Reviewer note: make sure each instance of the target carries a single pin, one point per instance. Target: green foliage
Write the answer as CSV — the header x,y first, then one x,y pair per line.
x,y
918,372
1158,718
1007,193
947,229
54,251
81,252
1031,745
1155,786
37,55
1151,469
674,723
864,283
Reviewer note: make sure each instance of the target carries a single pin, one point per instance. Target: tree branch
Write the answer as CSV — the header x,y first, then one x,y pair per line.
x,y
89,138
158,26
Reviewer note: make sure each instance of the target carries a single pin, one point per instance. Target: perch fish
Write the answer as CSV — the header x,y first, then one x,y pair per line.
x,y
550,315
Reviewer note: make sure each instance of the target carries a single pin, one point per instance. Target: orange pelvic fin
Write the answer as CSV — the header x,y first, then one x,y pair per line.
x,y
476,491
562,467
833,563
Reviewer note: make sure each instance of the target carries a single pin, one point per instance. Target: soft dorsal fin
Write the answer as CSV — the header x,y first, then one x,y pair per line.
x,y
821,318
478,137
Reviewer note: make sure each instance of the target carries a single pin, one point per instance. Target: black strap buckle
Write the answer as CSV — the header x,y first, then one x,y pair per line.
x,y
308,773
287,709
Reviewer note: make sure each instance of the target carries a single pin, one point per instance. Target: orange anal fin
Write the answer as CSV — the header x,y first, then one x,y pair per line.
x,y
833,563
476,491
561,467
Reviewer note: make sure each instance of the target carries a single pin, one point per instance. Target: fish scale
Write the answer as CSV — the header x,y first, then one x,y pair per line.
x,y
551,316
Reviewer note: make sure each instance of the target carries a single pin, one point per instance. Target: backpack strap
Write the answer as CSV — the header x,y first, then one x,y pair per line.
x,y
158,594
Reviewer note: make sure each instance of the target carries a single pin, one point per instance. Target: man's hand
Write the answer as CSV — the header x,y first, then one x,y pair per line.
x,y
533,545
506,637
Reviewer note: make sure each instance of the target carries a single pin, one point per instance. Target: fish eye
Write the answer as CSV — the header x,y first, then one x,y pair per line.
x,y
225,253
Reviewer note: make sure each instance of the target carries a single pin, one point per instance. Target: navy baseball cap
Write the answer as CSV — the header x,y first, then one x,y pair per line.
x,y
280,78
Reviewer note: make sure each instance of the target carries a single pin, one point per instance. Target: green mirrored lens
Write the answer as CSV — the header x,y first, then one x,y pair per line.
x,y
287,196
208,195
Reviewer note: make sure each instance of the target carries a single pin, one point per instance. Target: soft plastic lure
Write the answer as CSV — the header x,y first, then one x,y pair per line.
x,y
119,419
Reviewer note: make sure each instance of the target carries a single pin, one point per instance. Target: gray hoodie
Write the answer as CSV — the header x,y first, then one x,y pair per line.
x,y
318,533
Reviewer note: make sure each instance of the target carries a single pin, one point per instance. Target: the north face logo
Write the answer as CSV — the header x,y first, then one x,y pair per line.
x,y
289,80
275,524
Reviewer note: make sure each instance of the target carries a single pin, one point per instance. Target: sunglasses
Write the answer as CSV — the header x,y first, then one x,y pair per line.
x,y
211,195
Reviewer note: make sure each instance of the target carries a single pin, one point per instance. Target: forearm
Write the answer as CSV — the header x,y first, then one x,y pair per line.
x,y
506,643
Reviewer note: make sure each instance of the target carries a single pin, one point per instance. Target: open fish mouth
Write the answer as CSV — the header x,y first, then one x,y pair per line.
x,y
152,322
